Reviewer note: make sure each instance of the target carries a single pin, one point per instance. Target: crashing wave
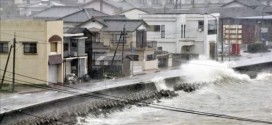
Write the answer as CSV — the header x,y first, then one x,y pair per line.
x,y
264,76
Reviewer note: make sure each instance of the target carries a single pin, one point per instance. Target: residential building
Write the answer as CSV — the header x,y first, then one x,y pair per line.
x,y
27,9
135,44
75,57
39,50
181,33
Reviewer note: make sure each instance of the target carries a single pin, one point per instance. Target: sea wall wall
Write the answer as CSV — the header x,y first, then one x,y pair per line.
x,y
66,110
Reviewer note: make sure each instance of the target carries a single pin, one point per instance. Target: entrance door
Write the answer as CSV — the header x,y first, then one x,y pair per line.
x,y
53,74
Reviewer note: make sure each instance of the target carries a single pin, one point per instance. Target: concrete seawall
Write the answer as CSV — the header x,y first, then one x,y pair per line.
x,y
65,111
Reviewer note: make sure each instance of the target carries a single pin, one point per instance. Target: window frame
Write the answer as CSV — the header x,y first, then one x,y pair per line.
x,y
117,37
183,31
150,57
31,50
212,31
2,47
201,25
162,31
154,28
53,45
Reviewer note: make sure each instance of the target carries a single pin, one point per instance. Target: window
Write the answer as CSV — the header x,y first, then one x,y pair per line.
x,y
30,47
162,31
201,25
212,27
133,57
183,31
150,57
159,48
154,28
53,47
65,47
73,43
3,47
118,39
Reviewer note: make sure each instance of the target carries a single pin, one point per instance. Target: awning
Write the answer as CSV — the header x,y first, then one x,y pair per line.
x,y
55,59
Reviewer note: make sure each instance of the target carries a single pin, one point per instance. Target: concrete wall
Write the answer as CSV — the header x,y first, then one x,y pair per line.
x,y
67,109
33,65
151,65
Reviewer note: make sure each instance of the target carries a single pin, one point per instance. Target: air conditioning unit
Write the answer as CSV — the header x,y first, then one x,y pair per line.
x,y
73,53
199,30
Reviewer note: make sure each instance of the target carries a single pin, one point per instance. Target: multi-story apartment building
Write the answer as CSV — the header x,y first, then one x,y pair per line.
x,y
179,32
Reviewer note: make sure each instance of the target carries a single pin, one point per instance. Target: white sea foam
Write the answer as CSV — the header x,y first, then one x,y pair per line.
x,y
264,76
160,83
204,70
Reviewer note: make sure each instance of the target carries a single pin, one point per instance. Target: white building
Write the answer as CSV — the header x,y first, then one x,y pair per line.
x,y
180,33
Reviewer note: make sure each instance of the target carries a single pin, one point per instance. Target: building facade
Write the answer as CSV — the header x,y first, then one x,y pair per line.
x,y
39,50
183,33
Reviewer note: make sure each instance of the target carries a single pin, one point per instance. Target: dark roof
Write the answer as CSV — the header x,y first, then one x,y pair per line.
x,y
100,19
110,3
117,25
265,9
154,10
249,3
123,5
82,15
76,30
232,12
238,12
56,12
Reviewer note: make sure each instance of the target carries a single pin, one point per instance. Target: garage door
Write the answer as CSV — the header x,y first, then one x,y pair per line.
x,y
53,74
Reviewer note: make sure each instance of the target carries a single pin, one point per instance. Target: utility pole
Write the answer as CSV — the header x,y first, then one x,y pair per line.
x,y
116,48
5,70
124,35
222,39
14,54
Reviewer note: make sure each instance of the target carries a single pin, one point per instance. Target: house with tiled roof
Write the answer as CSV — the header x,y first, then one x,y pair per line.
x,y
111,7
81,16
134,44
27,9
55,12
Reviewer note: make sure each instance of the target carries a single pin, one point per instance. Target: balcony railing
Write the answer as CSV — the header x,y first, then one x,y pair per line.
x,y
74,52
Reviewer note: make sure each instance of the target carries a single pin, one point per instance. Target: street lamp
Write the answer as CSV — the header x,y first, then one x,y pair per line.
x,y
217,31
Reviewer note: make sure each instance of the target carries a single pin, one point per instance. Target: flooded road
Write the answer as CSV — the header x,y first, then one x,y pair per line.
x,y
236,95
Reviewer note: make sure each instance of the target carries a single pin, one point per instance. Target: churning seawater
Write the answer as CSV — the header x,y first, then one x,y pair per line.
x,y
226,92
